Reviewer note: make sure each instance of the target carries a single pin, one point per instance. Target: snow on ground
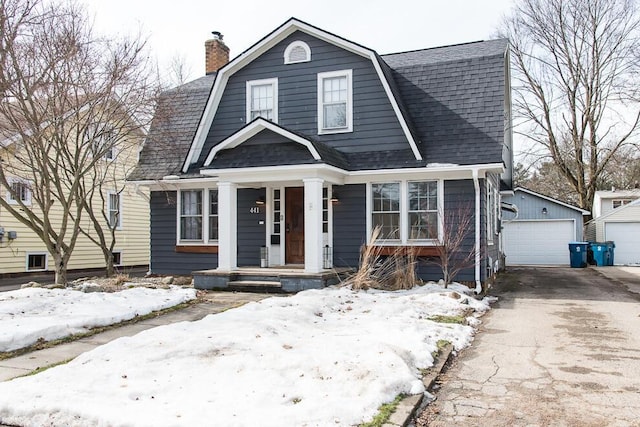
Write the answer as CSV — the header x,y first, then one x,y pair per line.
x,y
29,314
320,358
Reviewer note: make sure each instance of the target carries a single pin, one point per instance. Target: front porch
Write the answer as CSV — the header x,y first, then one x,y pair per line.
x,y
277,279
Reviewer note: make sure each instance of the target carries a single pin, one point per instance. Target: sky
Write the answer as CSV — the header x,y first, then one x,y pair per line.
x,y
178,29
326,357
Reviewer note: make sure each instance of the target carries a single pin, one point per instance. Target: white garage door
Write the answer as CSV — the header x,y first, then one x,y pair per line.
x,y
626,236
538,242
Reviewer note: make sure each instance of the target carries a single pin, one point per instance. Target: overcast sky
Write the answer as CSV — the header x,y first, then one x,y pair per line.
x,y
179,28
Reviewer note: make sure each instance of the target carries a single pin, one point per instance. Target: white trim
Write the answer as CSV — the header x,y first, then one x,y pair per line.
x,y
476,185
550,199
313,242
253,129
120,264
273,82
349,102
228,226
46,261
293,45
262,46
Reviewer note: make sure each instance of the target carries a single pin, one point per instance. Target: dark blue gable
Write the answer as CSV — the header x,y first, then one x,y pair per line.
x,y
375,124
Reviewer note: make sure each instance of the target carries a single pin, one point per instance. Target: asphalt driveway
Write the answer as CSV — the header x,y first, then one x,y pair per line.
x,y
560,348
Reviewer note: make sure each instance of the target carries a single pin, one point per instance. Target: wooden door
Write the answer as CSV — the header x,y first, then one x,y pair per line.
x,y
294,225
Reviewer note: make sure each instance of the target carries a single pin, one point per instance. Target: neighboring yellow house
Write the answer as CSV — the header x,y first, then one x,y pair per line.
x,y
22,251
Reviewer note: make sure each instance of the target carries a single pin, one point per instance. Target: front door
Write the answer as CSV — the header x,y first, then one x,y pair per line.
x,y
294,225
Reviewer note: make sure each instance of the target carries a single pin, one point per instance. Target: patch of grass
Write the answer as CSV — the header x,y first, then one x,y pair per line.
x,y
459,319
384,412
41,344
441,345
44,368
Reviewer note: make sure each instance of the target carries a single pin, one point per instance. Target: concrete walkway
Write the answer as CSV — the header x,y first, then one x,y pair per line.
x,y
214,302
560,348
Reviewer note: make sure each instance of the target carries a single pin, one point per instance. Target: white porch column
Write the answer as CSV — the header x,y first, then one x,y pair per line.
x,y
228,226
313,225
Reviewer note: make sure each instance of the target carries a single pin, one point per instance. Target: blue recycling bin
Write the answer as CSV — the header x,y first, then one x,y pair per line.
x,y
578,254
610,246
601,254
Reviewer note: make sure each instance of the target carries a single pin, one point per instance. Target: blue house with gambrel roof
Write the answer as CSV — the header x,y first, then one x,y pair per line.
x,y
289,155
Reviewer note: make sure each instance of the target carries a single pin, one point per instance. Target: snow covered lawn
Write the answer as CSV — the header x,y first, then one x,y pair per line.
x,y
320,358
30,314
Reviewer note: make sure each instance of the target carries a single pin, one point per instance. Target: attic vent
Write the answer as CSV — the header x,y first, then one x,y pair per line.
x,y
296,52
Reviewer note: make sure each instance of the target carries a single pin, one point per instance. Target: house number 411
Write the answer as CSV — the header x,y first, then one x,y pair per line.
x,y
254,210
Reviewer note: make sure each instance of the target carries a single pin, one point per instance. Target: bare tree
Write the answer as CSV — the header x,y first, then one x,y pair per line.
x,y
454,253
64,89
575,80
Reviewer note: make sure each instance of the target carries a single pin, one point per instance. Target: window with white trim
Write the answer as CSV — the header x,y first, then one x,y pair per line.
x,y
618,203
277,211
19,191
385,213
213,214
423,210
407,212
335,103
117,259
114,202
37,261
191,215
297,51
262,99
103,138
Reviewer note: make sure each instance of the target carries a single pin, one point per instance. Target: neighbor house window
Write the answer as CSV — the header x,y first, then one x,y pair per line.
x,y
297,51
115,209
36,262
407,212
117,258
618,203
191,215
335,102
262,99
423,210
213,214
103,138
385,213
20,192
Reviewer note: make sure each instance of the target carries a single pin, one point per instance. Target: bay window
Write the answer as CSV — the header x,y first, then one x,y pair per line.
x,y
386,209
198,216
423,210
191,215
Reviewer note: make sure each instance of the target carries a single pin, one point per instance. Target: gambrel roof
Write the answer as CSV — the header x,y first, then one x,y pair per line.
x,y
449,102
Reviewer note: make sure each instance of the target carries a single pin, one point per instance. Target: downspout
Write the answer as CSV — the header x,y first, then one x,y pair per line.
x,y
476,184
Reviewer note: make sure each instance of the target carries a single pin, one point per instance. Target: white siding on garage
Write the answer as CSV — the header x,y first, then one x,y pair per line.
x,y
538,242
626,236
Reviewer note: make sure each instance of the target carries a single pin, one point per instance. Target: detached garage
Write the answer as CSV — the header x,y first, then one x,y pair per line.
x,y
540,232
621,226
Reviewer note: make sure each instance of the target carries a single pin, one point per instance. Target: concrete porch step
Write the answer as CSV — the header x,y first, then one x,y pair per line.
x,y
254,286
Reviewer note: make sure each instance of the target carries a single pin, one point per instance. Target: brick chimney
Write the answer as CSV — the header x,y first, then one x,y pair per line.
x,y
216,53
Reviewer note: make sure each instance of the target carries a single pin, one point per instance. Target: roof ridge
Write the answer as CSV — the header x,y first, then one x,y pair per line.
x,y
442,47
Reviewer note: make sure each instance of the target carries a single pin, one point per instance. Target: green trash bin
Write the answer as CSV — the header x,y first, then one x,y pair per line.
x,y
578,254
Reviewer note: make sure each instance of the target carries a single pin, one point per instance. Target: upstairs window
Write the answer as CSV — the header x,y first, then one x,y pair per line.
x,y
103,139
335,102
262,99
618,203
20,191
297,52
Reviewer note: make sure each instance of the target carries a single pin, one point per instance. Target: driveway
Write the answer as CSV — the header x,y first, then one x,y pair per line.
x,y
561,348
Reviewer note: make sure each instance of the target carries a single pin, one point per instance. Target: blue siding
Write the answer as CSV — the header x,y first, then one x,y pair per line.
x,y
375,125
164,258
349,224
251,233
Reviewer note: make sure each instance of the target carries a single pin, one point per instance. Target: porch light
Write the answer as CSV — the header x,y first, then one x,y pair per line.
x,y
544,211
335,198
260,201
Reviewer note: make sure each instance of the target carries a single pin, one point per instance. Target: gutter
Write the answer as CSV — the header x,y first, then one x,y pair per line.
x,y
476,184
